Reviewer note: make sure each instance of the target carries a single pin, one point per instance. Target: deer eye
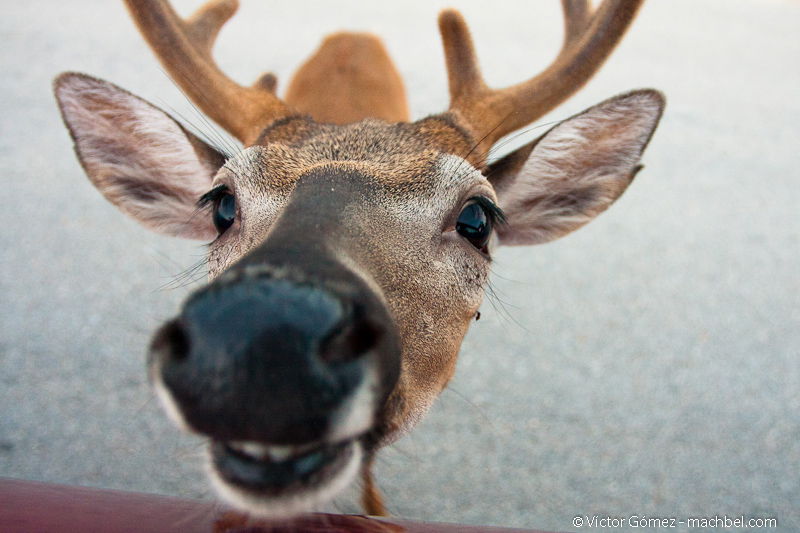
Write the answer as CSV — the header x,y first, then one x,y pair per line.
x,y
475,223
223,203
224,212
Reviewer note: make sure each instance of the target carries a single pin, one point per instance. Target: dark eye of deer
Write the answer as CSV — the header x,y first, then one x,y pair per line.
x,y
224,212
475,225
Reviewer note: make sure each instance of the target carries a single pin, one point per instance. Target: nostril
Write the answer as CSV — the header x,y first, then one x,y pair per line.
x,y
174,339
350,342
364,337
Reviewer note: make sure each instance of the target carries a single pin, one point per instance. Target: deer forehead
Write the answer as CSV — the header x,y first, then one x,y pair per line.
x,y
396,154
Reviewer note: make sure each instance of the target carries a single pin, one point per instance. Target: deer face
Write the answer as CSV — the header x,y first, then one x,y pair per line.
x,y
406,221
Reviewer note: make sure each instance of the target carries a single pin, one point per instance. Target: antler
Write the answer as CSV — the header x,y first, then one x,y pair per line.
x,y
589,38
184,49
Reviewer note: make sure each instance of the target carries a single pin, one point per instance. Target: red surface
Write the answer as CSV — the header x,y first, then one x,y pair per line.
x,y
32,507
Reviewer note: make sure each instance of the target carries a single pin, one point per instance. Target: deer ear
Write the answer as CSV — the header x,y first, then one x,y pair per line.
x,y
137,156
573,172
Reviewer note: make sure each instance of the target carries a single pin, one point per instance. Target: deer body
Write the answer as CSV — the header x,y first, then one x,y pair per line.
x,y
359,78
350,247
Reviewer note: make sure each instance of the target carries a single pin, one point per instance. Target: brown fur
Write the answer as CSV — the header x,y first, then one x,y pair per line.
x,y
359,82
371,499
401,148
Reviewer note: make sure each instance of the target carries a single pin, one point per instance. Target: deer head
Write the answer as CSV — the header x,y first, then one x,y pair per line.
x,y
349,247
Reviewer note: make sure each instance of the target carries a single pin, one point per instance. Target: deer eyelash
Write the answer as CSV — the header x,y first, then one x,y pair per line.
x,y
212,196
495,213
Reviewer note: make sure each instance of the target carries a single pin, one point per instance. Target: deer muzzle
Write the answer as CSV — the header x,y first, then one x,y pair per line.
x,y
286,378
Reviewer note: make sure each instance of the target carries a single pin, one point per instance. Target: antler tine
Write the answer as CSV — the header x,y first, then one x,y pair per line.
x,y
203,27
184,49
463,74
577,14
589,38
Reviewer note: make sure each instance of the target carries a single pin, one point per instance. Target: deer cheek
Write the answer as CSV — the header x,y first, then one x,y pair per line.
x,y
221,255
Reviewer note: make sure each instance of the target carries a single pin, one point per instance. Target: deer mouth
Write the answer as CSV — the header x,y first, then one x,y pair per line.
x,y
282,480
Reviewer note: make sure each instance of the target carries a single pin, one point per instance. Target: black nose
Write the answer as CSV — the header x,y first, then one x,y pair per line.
x,y
265,359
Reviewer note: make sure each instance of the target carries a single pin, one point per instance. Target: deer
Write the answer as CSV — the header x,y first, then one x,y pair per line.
x,y
349,246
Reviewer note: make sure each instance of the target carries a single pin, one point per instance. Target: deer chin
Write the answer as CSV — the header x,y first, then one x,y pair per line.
x,y
282,481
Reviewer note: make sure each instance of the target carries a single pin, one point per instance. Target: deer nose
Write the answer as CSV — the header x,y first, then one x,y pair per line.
x,y
265,360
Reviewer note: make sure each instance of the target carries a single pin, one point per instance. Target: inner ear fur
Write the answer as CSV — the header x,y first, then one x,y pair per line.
x,y
576,170
137,156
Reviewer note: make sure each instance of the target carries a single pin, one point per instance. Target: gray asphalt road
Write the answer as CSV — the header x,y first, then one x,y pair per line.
x,y
647,364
